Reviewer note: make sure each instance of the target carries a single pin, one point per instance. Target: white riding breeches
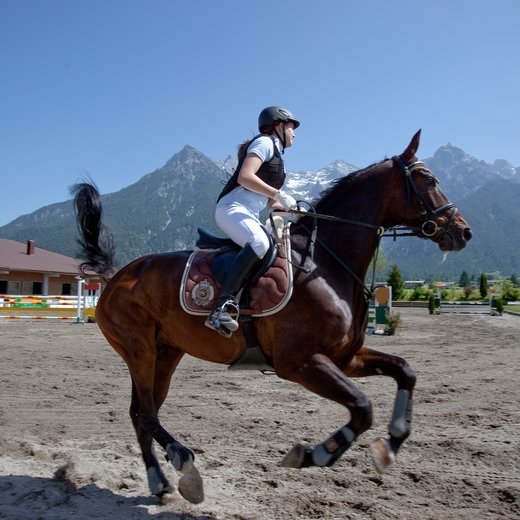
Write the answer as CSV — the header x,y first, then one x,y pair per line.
x,y
242,226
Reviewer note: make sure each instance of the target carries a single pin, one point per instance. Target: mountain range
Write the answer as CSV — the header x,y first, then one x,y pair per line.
x,y
161,212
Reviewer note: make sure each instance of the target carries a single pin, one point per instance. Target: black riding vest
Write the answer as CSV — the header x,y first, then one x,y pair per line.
x,y
271,172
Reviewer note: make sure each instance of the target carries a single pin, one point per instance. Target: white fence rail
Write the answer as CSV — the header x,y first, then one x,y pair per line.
x,y
465,308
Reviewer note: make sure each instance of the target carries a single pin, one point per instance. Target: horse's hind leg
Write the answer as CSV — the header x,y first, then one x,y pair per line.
x,y
151,369
157,482
190,484
368,362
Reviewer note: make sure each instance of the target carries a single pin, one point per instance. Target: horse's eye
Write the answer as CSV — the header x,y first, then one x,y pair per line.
x,y
430,180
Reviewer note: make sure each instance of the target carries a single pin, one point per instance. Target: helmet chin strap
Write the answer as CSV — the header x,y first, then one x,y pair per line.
x,y
282,139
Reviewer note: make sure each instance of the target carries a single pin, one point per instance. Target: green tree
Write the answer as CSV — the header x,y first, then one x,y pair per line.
x,y
514,280
464,279
507,291
395,280
431,303
483,285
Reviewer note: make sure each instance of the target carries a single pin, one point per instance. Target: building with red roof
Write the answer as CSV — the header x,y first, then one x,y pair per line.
x,y
26,269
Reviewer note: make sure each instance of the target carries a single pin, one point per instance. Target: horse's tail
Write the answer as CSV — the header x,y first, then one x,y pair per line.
x,y
96,242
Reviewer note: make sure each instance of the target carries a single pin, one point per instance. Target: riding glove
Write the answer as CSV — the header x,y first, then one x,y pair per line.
x,y
285,200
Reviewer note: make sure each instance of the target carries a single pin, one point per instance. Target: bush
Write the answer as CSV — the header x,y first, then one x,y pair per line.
x,y
418,294
393,322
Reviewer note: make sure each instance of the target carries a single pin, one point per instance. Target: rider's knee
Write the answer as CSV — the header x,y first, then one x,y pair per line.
x,y
260,245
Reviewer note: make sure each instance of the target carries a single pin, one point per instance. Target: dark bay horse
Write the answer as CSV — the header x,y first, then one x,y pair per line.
x,y
316,340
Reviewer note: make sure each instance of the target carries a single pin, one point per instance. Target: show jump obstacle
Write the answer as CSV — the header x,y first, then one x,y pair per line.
x,y
73,308
466,307
378,312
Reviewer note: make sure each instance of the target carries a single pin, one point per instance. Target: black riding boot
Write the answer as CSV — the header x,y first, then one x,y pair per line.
x,y
220,319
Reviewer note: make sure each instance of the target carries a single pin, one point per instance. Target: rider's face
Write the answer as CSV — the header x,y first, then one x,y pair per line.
x,y
288,129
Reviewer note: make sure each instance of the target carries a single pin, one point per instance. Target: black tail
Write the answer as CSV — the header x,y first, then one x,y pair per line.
x,y
97,245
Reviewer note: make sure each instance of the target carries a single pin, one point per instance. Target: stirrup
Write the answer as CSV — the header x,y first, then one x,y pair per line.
x,y
219,328
230,325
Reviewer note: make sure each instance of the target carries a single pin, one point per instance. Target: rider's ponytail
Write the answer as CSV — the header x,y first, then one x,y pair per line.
x,y
242,148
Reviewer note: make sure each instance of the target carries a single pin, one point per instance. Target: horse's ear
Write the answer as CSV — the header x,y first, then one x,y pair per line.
x,y
412,148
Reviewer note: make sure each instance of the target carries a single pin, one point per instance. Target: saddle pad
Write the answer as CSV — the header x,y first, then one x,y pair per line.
x,y
199,289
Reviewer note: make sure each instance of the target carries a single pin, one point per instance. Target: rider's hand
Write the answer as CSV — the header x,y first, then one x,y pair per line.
x,y
285,200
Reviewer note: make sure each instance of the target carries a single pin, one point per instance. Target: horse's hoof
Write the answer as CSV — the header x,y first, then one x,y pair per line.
x,y
157,482
169,497
296,457
190,484
382,455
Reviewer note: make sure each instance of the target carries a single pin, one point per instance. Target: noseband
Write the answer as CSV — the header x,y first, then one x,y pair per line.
x,y
429,228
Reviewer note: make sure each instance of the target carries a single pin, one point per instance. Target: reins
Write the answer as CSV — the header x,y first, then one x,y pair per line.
x,y
427,229
314,239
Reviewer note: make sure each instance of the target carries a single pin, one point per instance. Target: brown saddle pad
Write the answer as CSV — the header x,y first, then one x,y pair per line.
x,y
199,288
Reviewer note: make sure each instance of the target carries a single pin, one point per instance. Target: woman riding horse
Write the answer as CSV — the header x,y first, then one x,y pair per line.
x,y
143,320
255,184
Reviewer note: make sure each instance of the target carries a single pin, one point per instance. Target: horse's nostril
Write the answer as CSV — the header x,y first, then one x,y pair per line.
x,y
468,234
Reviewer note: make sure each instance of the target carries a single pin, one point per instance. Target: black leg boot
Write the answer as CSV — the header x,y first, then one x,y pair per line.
x,y
220,318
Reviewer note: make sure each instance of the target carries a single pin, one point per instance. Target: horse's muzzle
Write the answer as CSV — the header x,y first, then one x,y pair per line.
x,y
456,238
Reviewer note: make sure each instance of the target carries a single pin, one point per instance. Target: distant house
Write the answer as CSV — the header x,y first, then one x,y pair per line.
x,y
412,284
26,269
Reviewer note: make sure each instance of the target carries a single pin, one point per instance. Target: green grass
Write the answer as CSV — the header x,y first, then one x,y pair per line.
x,y
512,308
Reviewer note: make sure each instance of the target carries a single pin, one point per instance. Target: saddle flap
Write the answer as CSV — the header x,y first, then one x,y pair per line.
x,y
265,295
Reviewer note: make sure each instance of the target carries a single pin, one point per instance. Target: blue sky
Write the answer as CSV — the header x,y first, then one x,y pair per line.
x,y
114,88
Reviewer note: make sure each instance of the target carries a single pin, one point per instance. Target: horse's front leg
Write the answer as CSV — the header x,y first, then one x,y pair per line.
x,y
322,377
368,362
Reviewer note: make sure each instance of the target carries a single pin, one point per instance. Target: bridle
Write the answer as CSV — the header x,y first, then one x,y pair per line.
x,y
429,228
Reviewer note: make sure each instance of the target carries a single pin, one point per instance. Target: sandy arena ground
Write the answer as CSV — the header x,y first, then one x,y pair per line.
x,y
68,450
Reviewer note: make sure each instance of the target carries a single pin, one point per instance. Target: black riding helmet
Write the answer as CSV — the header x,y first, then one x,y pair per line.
x,y
270,115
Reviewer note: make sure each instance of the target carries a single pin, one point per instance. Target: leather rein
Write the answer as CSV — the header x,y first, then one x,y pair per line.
x,y
427,229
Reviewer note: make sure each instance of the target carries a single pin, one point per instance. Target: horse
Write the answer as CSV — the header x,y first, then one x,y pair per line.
x,y
316,340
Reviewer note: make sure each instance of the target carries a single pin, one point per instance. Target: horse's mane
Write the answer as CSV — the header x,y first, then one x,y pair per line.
x,y
339,187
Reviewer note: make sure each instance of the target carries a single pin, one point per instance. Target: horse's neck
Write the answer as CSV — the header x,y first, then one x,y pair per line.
x,y
364,203
348,244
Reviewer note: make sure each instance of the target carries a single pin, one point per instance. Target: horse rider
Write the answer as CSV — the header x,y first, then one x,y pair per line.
x,y
255,184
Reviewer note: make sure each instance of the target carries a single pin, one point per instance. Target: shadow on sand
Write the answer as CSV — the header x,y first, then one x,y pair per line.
x,y
30,498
